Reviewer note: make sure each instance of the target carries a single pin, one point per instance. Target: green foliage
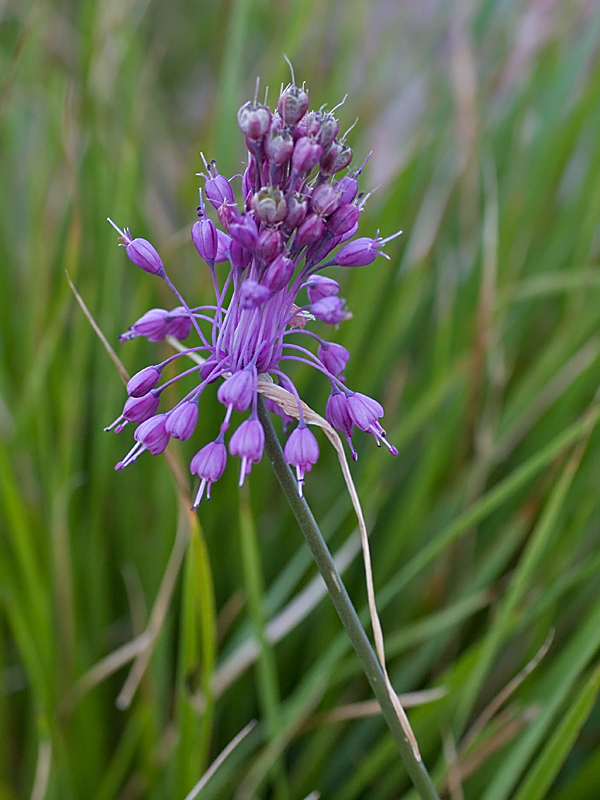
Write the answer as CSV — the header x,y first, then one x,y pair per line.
x,y
480,336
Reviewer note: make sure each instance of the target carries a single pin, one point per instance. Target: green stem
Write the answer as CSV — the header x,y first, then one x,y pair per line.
x,y
346,611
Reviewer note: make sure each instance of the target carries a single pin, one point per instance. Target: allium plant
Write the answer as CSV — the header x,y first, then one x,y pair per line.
x,y
297,214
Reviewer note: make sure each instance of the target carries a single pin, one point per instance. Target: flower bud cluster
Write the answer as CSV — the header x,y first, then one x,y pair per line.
x,y
296,215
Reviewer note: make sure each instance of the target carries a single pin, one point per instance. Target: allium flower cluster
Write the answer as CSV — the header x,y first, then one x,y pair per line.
x,y
295,211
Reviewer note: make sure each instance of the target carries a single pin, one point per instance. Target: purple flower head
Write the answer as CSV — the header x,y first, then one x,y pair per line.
x,y
248,442
223,245
301,451
209,465
348,188
269,245
365,413
273,241
239,256
296,212
337,415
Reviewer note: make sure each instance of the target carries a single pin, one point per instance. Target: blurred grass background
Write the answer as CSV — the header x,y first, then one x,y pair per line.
x,y
480,336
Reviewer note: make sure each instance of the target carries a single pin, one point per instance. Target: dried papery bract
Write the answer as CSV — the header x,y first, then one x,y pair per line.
x,y
296,215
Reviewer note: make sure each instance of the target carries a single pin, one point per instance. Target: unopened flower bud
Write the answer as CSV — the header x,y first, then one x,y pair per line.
x,y
329,130
319,286
238,255
348,187
253,294
269,245
296,212
254,120
278,273
292,104
139,409
144,380
279,147
311,229
244,231
325,200
205,238
337,157
307,153
141,253
343,219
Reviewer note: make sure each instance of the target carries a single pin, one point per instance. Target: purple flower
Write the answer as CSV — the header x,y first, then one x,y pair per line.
x,y
319,287
143,381
206,239
293,215
334,357
209,465
182,420
239,390
362,252
301,451
247,442
330,310
154,325
139,409
254,120
152,434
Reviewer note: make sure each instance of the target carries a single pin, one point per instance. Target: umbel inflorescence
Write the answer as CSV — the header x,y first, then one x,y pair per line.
x,y
293,214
